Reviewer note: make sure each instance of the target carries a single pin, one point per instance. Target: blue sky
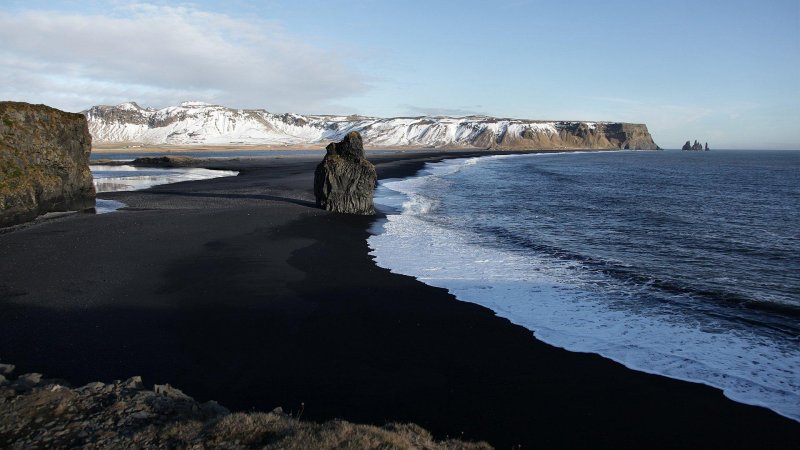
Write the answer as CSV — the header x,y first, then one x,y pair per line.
x,y
726,72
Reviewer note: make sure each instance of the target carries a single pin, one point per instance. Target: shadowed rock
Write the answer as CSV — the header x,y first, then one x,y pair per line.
x,y
697,146
344,181
44,162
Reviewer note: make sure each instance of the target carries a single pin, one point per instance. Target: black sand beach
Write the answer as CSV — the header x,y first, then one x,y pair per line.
x,y
240,290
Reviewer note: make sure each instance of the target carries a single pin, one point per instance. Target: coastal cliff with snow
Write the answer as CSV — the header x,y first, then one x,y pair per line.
x,y
205,124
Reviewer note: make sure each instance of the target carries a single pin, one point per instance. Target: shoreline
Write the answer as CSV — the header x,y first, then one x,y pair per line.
x,y
216,273
755,394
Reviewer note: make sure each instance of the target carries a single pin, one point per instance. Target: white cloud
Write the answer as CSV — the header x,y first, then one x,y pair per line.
x,y
160,55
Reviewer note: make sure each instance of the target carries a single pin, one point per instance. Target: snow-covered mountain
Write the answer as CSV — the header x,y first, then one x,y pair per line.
x,y
202,123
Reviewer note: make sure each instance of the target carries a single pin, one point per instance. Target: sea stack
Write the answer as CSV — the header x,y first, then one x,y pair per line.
x,y
44,162
697,146
344,181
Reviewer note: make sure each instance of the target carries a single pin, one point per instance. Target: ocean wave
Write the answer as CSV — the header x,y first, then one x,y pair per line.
x,y
581,310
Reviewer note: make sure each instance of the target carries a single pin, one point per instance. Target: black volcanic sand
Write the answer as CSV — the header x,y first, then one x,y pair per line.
x,y
239,290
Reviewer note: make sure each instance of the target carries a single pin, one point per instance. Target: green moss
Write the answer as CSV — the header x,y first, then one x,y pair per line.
x,y
9,123
9,176
8,169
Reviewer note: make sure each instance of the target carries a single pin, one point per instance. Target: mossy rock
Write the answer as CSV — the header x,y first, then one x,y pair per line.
x,y
44,162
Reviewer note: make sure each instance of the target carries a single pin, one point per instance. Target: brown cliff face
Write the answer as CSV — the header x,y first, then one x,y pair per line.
x,y
44,162
578,135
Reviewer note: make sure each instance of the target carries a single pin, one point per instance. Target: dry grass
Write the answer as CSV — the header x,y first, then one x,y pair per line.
x,y
48,414
279,431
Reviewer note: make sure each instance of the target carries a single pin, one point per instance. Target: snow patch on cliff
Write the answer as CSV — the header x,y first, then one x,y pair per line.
x,y
195,122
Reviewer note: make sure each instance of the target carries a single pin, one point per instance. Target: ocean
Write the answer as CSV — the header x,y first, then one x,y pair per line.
x,y
683,264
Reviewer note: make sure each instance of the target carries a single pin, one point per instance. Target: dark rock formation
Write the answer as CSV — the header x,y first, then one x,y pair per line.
x,y
697,146
162,161
344,181
44,162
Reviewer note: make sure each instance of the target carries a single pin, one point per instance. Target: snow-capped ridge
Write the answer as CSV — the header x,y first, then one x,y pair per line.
x,y
194,122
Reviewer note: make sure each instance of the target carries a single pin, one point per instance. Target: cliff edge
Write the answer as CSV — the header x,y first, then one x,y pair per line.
x,y
44,162
576,135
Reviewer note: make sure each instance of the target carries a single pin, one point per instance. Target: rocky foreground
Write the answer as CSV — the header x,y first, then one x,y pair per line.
x,y
48,413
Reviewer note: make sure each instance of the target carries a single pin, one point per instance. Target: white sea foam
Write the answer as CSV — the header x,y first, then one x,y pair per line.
x,y
562,305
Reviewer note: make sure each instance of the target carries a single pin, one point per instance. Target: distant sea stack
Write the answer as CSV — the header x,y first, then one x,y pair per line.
x,y
201,123
44,162
344,181
697,146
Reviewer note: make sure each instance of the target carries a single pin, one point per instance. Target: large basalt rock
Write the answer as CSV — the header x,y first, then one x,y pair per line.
x,y
44,162
344,181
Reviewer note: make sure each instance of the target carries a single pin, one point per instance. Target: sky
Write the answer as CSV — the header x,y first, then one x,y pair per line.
x,y
722,72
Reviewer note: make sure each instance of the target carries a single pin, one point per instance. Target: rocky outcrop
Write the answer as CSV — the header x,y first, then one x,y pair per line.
x,y
162,161
48,413
44,162
344,181
697,146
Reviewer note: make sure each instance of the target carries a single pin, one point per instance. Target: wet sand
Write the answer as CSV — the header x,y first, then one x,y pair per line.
x,y
240,290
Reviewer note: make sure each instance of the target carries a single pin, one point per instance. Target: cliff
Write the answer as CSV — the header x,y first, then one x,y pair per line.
x,y
44,162
200,123
602,135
